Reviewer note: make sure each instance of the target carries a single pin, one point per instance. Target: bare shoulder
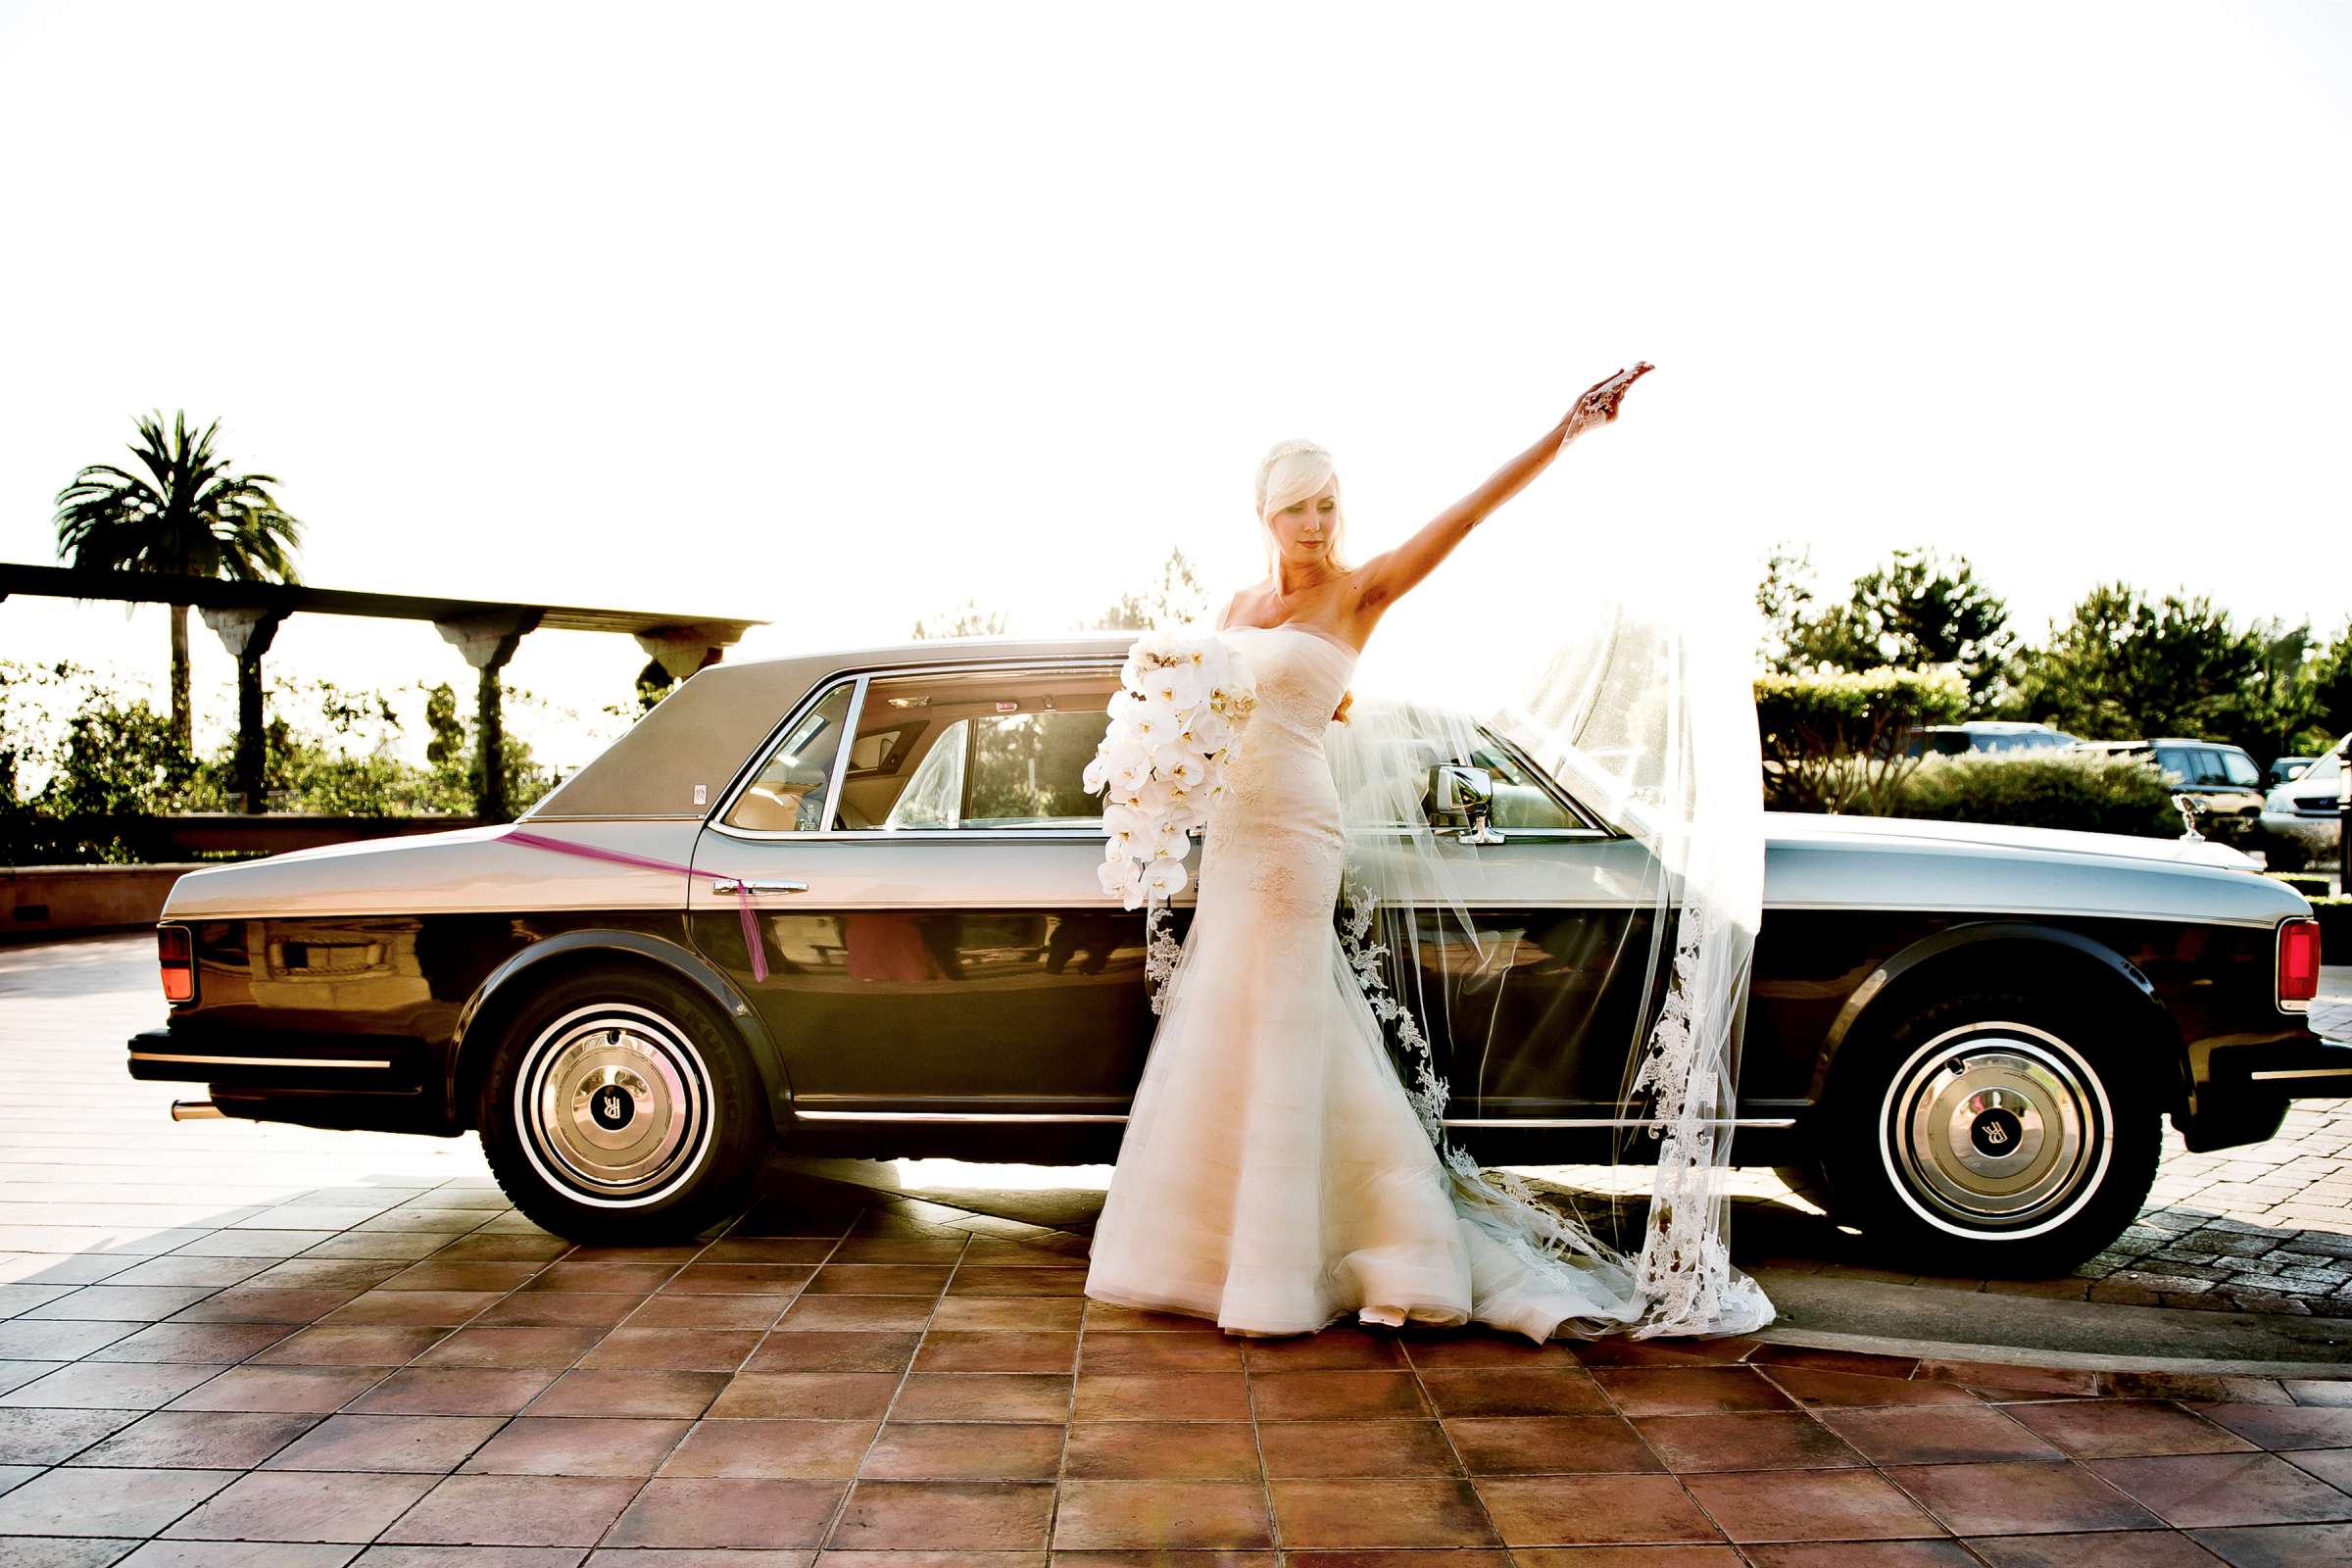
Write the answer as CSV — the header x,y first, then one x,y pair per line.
x,y
1242,599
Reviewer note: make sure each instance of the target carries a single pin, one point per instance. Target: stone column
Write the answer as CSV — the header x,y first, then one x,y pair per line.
x,y
247,634
683,650
488,642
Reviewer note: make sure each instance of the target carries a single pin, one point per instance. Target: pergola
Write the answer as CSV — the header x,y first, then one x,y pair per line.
x,y
246,615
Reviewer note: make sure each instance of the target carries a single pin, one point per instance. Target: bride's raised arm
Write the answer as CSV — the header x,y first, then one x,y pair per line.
x,y
1388,576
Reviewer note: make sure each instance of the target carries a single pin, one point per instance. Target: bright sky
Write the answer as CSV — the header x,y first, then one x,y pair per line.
x,y
832,315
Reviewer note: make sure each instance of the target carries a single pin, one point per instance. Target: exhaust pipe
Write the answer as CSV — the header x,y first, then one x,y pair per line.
x,y
194,1110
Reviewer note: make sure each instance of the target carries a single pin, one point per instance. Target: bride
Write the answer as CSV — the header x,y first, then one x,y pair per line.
x,y
1275,1173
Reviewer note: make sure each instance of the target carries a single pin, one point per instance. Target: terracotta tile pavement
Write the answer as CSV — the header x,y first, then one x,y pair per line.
x,y
228,1343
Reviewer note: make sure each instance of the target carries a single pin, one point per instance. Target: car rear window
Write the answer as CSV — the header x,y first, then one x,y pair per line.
x,y
788,795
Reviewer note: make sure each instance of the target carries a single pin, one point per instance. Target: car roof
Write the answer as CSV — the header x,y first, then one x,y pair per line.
x,y
700,732
1990,726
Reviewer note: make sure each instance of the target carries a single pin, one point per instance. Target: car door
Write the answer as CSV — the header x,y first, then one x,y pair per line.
x,y
936,939
1538,1012
2240,791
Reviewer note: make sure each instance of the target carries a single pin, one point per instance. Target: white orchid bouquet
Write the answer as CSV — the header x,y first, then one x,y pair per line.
x,y
1162,765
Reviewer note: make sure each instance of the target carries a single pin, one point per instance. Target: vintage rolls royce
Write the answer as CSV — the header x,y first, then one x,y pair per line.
x,y
849,903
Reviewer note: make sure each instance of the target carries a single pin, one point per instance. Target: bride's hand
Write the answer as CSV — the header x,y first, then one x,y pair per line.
x,y
1598,404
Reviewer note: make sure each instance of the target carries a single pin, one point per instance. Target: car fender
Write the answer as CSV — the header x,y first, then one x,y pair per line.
x,y
1906,976
509,982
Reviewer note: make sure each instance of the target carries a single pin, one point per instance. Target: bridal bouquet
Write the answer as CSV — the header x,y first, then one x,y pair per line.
x,y
1163,757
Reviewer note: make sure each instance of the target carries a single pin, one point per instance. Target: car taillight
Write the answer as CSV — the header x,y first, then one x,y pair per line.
x,y
177,954
2298,960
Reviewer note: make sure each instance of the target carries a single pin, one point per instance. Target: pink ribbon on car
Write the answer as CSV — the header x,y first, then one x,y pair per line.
x,y
590,852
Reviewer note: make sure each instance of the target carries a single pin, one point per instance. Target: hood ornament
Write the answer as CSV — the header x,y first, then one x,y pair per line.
x,y
2189,806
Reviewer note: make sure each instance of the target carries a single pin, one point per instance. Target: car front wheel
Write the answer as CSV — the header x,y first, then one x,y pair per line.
x,y
618,1109
1993,1133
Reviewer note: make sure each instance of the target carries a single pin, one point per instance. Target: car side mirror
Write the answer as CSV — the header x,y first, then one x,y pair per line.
x,y
1459,792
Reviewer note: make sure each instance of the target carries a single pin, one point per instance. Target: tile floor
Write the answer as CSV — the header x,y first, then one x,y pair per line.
x,y
223,1344
844,1377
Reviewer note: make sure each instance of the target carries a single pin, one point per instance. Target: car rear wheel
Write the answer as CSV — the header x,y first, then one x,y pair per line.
x,y
619,1108
1993,1133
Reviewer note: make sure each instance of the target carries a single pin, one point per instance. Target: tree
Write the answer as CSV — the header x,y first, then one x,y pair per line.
x,y
2281,699
445,749
654,682
1174,601
1785,598
185,513
1912,614
966,620
2329,677
2123,667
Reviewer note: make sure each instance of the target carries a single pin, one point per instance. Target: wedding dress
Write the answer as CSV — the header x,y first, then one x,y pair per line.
x,y
1275,1174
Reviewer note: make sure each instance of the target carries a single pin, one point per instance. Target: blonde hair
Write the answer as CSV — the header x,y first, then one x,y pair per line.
x,y
1291,470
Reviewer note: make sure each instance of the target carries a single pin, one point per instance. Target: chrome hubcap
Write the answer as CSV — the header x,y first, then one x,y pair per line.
x,y
615,1104
1996,1128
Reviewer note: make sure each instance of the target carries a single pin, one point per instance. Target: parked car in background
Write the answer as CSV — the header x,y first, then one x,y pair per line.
x,y
2223,778
2305,812
849,901
1999,736
2285,769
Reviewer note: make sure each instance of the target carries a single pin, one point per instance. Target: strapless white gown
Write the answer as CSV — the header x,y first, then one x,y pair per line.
x,y
1274,1174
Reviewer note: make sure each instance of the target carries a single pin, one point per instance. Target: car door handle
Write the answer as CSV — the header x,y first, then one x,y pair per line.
x,y
724,885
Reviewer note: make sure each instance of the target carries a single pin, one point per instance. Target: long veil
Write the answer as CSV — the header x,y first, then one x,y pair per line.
x,y
1572,649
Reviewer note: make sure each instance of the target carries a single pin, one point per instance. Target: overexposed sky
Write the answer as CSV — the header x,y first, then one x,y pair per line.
x,y
831,315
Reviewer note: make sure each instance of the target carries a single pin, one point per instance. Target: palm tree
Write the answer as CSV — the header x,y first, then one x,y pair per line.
x,y
186,514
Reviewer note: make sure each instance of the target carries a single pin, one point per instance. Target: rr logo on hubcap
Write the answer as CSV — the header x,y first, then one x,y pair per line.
x,y
1995,1133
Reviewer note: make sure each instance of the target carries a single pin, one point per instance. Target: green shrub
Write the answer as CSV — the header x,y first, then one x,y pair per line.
x,y
1833,740
88,774
2089,791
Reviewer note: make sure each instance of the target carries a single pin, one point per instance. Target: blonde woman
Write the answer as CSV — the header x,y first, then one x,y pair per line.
x,y
1274,1174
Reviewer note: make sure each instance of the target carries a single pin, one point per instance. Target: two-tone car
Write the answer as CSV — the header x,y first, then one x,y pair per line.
x,y
848,903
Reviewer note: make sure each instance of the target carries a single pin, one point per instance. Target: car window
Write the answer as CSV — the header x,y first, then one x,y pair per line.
x,y
1521,799
2239,768
979,750
1523,796
2177,763
788,795
1943,743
